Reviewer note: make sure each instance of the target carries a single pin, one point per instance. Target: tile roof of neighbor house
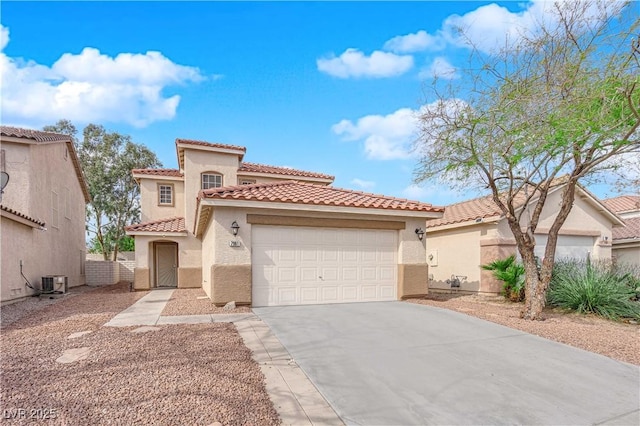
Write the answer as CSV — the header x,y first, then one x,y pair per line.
x,y
630,231
36,135
262,168
158,172
210,144
172,224
623,203
307,193
465,211
22,215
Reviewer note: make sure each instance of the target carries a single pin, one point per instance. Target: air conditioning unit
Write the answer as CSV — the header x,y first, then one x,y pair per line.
x,y
55,284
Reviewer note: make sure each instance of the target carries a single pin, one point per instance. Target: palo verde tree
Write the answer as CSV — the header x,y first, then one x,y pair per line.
x,y
107,159
558,103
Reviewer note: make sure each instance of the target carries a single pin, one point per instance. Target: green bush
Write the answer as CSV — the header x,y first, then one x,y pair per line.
x,y
511,273
597,288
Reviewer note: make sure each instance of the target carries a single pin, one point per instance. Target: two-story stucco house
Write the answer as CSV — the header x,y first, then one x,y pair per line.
x,y
626,240
475,232
266,236
43,211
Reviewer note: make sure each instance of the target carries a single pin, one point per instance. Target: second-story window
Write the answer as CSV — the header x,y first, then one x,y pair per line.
x,y
211,180
165,195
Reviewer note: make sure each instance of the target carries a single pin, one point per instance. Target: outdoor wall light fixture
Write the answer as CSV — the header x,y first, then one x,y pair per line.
x,y
235,227
420,233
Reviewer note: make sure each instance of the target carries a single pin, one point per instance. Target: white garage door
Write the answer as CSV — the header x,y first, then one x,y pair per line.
x,y
298,265
568,247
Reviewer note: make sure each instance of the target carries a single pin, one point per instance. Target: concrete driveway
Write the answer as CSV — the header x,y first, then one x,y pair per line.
x,y
397,363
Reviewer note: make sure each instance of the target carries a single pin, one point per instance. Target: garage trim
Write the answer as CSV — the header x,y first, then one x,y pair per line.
x,y
315,222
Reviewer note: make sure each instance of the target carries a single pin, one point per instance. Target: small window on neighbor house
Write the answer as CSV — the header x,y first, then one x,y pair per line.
x,y
67,207
165,195
247,181
211,180
55,208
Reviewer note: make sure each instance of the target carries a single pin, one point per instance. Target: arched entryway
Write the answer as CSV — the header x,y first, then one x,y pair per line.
x,y
166,264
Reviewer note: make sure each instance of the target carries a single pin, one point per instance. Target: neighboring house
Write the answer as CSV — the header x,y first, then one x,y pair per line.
x,y
43,210
299,240
473,233
626,241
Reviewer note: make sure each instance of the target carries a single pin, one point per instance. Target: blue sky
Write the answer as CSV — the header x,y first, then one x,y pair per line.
x,y
331,87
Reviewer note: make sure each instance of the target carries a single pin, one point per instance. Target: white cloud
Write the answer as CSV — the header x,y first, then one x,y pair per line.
x,y
490,27
415,42
386,137
354,63
364,184
91,86
440,68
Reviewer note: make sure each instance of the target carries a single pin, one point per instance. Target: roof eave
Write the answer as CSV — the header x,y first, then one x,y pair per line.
x,y
286,176
491,220
325,208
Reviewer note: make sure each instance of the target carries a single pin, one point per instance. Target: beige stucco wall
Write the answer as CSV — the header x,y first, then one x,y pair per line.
x,y
628,253
272,179
149,208
457,252
37,172
189,260
197,162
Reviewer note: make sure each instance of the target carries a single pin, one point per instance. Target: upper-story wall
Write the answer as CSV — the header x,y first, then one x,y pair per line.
x,y
152,207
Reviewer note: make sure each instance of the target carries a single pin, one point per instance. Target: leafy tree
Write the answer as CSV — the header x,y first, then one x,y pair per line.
x,y
107,159
557,104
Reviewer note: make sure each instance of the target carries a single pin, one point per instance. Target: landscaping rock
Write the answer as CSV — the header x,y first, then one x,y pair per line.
x,y
145,329
230,306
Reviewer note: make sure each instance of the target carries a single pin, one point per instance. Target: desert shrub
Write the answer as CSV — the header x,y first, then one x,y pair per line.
x,y
511,273
597,288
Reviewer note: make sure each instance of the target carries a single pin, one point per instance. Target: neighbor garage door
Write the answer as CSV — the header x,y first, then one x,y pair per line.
x,y
568,247
299,265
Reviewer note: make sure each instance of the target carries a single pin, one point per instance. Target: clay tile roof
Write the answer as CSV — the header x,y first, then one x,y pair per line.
x,y
158,172
262,168
466,211
630,231
210,144
36,135
623,203
307,193
22,215
172,224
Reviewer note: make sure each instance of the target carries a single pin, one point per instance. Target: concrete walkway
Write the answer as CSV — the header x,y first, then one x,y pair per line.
x,y
294,397
148,310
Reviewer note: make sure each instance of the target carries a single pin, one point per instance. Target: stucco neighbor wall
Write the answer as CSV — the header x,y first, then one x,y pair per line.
x,y
44,186
629,254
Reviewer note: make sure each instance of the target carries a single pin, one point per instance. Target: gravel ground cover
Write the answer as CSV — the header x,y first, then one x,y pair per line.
x,y
195,374
613,339
194,301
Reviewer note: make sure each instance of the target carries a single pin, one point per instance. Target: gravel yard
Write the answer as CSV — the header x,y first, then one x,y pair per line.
x,y
194,301
167,375
616,340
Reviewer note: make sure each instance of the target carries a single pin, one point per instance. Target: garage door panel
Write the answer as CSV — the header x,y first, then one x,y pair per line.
x,y
325,265
349,293
329,294
308,275
350,274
